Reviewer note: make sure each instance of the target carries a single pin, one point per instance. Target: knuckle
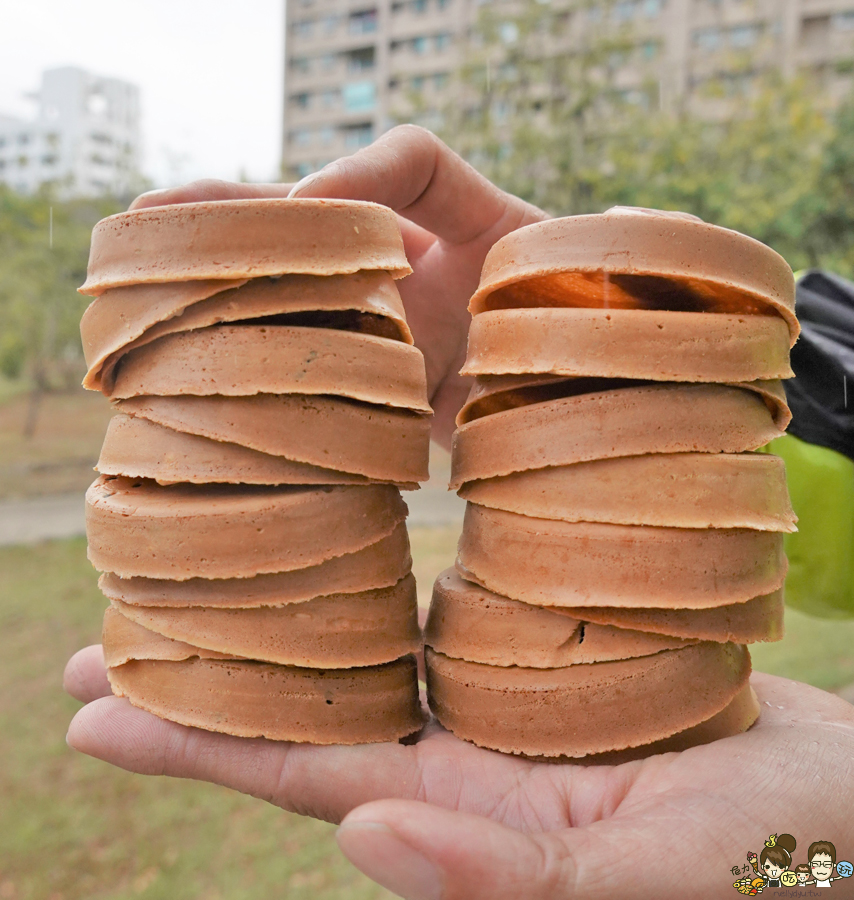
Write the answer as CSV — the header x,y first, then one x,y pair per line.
x,y
558,875
413,133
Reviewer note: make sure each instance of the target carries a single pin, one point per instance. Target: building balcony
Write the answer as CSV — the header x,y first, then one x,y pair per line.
x,y
308,73
827,7
304,158
403,27
298,117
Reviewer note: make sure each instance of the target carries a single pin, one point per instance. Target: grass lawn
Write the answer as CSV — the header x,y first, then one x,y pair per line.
x,y
61,453
75,828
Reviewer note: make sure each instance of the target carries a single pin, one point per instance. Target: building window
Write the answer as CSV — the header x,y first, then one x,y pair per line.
x,y
649,50
419,6
440,80
815,29
652,8
301,137
623,11
301,64
49,160
634,97
330,24
507,73
360,60
363,22
303,28
417,83
443,4
329,98
501,110
843,21
97,104
359,96
301,100
23,139
419,45
508,32
356,136
433,120
23,161
743,36
327,135
304,169
708,39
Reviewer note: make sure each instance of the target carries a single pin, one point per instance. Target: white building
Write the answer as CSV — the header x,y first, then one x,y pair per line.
x,y
85,138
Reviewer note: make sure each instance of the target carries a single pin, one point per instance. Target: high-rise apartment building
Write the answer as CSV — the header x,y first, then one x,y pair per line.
x,y
354,68
84,139
348,63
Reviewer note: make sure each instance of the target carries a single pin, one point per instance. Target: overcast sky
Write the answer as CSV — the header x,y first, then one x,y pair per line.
x,y
210,74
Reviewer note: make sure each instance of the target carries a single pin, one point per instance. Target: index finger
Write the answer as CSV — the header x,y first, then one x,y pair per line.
x,y
209,189
422,179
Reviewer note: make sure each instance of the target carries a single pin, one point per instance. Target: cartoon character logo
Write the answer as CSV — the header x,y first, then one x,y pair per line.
x,y
750,886
773,866
822,862
775,859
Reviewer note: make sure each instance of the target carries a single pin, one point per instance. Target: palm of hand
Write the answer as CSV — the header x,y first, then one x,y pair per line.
x,y
482,824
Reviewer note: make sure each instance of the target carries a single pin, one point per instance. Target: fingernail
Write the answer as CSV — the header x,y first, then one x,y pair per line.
x,y
142,199
303,183
377,851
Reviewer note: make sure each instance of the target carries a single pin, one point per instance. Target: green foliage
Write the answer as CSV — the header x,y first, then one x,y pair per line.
x,y
44,248
759,172
834,223
534,93
551,126
13,355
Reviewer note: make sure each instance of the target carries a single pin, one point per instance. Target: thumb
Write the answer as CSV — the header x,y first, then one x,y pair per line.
x,y
422,852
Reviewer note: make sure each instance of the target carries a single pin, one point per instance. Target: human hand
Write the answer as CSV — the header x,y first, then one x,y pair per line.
x,y
449,216
441,819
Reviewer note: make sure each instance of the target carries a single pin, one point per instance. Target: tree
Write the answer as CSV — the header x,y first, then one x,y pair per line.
x,y
44,248
835,221
541,112
759,171
537,95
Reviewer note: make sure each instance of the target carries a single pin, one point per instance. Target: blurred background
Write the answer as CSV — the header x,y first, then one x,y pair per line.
x,y
740,111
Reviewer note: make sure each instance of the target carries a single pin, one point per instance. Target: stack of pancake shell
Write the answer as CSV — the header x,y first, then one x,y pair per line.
x,y
622,541
248,520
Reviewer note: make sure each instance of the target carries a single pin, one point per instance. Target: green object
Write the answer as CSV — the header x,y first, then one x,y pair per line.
x,y
821,552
